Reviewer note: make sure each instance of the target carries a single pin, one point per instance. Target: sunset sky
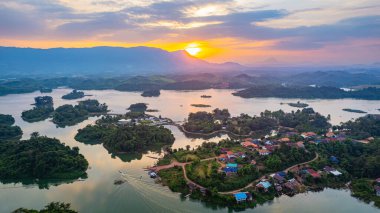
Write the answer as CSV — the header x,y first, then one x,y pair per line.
x,y
251,32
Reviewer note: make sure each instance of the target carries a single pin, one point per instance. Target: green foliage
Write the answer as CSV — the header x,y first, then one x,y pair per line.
x,y
151,93
67,115
10,132
137,138
204,122
359,160
75,94
93,134
40,157
7,131
362,127
7,120
42,110
138,107
173,178
53,207
364,190
119,139
93,106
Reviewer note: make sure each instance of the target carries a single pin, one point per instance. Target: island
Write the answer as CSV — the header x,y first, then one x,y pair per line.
x,y
354,110
206,96
247,171
307,92
40,158
201,105
138,107
50,208
7,130
6,120
42,110
151,93
128,134
75,94
68,115
245,125
298,105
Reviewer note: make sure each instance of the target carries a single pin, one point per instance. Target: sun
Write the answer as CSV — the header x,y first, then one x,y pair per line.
x,y
193,49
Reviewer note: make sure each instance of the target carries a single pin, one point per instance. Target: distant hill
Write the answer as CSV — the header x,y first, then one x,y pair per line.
x,y
103,60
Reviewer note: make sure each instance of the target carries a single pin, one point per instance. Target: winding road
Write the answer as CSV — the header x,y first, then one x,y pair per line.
x,y
182,165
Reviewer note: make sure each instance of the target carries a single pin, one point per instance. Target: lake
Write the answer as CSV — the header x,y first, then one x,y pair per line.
x,y
98,193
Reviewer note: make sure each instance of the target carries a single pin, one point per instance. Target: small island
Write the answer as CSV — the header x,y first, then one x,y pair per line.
x,y
138,107
131,133
151,93
201,105
7,130
354,110
40,157
42,110
206,96
75,94
68,115
298,105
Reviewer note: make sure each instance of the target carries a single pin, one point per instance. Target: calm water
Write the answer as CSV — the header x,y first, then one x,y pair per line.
x,y
99,194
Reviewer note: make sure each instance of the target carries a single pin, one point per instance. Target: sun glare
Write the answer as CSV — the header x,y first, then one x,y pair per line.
x,y
193,49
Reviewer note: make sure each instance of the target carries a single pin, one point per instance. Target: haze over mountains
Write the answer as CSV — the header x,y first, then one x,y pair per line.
x,y
104,60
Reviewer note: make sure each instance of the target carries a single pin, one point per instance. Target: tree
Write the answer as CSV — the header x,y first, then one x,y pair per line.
x,y
34,135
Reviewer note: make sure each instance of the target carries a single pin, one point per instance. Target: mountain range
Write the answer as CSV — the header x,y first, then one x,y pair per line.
x,y
103,60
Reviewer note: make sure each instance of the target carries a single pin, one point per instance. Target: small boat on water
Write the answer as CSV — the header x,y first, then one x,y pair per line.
x,y
152,174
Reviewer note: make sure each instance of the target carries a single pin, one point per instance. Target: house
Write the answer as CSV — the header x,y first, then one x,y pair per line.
x,y
336,173
230,155
377,189
264,152
284,140
282,173
253,162
273,133
308,135
223,150
222,157
300,145
270,148
124,121
292,185
330,135
334,159
328,169
278,178
241,196
313,173
231,168
264,185
248,144
278,187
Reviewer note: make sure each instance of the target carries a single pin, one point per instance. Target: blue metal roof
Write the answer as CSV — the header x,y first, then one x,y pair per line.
x,y
265,184
240,196
232,165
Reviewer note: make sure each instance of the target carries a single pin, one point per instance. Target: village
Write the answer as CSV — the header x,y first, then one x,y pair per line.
x,y
254,152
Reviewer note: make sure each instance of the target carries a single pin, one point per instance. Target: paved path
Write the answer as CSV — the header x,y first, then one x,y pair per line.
x,y
182,165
